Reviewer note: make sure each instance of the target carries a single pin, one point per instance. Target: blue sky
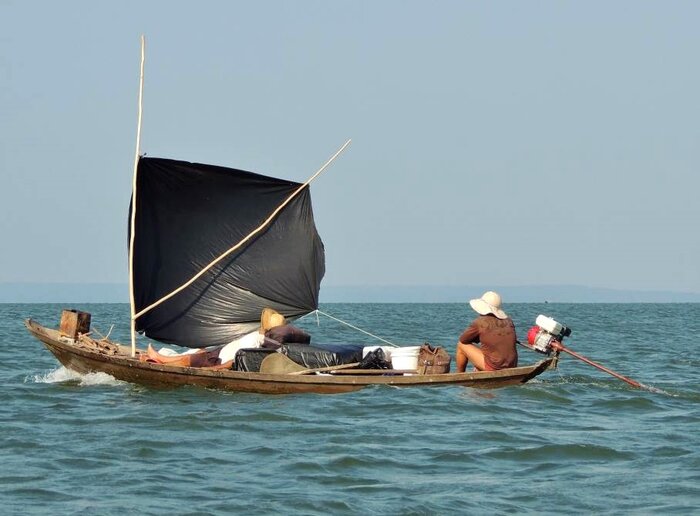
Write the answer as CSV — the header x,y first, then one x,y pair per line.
x,y
494,143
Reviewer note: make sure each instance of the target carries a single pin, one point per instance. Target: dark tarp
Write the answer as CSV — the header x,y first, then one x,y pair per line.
x,y
323,355
319,355
187,215
249,359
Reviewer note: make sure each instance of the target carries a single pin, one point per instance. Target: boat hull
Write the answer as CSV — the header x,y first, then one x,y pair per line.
x,y
86,355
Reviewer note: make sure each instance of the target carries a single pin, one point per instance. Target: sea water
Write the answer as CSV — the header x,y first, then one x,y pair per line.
x,y
574,440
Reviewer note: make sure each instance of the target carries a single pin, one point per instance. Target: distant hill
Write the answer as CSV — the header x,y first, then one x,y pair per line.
x,y
525,294
64,293
119,293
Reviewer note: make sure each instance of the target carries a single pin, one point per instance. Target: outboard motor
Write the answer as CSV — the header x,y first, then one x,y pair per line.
x,y
547,331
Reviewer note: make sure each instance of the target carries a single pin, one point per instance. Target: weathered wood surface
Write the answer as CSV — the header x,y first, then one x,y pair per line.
x,y
74,322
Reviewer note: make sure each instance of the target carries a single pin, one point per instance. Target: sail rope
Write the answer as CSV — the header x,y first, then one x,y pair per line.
x,y
316,312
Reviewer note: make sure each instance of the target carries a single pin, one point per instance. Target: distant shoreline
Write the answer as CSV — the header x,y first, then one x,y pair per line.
x,y
119,293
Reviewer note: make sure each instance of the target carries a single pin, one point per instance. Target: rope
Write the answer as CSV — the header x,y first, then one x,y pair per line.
x,y
349,325
103,337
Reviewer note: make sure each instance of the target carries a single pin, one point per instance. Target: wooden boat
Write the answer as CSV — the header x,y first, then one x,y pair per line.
x,y
269,255
86,355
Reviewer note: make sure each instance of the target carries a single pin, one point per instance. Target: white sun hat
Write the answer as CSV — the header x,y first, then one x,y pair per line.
x,y
489,303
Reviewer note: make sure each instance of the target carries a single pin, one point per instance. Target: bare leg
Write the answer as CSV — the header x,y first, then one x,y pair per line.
x,y
469,353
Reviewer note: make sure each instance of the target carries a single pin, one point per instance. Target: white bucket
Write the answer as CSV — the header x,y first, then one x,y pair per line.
x,y
405,358
406,350
386,349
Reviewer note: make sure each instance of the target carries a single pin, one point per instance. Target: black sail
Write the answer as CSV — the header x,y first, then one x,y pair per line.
x,y
187,215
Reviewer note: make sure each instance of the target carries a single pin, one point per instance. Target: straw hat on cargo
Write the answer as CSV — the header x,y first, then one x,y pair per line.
x,y
489,303
269,319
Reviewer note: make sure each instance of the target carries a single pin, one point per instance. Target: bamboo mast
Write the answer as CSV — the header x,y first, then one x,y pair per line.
x,y
133,203
239,244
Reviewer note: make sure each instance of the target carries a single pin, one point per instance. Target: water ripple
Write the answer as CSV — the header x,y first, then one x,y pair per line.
x,y
573,441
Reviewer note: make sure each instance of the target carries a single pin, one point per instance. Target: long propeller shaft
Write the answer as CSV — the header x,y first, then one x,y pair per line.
x,y
559,347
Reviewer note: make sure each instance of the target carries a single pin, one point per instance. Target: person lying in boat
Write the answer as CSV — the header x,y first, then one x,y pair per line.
x,y
269,319
221,356
273,332
494,330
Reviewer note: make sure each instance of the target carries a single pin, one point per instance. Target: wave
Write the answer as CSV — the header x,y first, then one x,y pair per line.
x,y
65,375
